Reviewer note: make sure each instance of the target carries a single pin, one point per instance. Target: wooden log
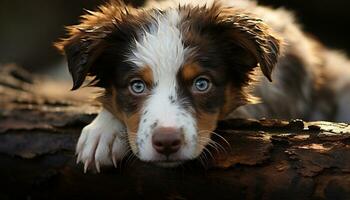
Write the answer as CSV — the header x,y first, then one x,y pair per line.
x,y
265,159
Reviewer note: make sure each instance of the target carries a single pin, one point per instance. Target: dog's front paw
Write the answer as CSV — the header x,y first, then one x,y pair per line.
x,y
100,144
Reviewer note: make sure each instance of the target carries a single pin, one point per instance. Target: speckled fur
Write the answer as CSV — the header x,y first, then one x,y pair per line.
x,y
247,45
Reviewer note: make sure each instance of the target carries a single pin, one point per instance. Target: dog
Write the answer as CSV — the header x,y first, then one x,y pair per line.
x,y
172,69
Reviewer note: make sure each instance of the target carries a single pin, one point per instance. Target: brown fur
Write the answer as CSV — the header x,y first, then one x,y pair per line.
x,y
190,71
87,41
131,121
147,75
132,124
302,87
233,39
206,123
234,98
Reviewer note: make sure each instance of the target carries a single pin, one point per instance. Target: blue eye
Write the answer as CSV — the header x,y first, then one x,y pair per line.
x,y
137,86
201,84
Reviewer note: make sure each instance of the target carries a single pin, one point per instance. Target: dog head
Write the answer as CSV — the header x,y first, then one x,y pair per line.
x,y
170,74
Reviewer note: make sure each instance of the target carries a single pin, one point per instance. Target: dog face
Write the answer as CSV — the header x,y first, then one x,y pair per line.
x,y
171,74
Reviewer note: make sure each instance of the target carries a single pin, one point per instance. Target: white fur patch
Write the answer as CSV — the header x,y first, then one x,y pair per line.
x,y
101,141
161,48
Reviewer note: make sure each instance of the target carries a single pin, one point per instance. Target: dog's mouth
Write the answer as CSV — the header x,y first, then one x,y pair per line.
x,y
168,163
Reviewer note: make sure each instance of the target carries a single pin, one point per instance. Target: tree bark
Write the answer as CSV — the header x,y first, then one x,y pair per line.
x,y
265,159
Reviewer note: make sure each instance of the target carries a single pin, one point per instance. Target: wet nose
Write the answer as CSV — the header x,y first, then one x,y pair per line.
x,y
167,140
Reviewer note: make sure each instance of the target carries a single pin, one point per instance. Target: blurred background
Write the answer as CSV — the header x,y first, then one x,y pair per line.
x,y
29,28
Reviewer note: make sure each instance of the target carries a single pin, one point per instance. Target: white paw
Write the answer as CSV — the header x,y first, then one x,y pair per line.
x,y
101,144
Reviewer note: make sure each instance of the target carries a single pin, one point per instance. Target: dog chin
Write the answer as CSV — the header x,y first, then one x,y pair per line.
x,y
168,164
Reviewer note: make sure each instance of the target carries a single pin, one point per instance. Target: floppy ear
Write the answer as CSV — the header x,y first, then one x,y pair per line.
x,y
81,52
254,36
87,41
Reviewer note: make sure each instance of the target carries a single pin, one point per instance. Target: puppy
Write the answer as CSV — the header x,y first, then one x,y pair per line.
x,y
171,70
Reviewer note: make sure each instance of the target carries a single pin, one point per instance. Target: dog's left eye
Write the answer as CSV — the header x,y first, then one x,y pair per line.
x,y
137,86
201,84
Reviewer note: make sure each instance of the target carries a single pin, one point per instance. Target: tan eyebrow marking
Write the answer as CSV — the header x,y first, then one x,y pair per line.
x,y
147,75
190,71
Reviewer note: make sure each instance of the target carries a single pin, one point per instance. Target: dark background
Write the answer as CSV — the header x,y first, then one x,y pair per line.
x,y
28,28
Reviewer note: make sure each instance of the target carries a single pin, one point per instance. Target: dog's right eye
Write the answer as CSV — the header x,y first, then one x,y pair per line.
x,y
201,84
137,87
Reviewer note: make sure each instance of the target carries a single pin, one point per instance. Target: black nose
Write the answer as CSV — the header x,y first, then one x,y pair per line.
x,y
167,140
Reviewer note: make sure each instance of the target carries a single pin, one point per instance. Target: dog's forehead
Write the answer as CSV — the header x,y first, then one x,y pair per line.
x,y
160,46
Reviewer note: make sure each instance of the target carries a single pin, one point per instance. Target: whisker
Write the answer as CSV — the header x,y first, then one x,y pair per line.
x,y
129,159
216,134
205,149
202,161
212,145
205,157
218,147
219,136
127,153
211,155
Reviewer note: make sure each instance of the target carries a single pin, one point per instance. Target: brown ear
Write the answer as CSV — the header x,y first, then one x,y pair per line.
x,y
253,35
86,41
81,52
